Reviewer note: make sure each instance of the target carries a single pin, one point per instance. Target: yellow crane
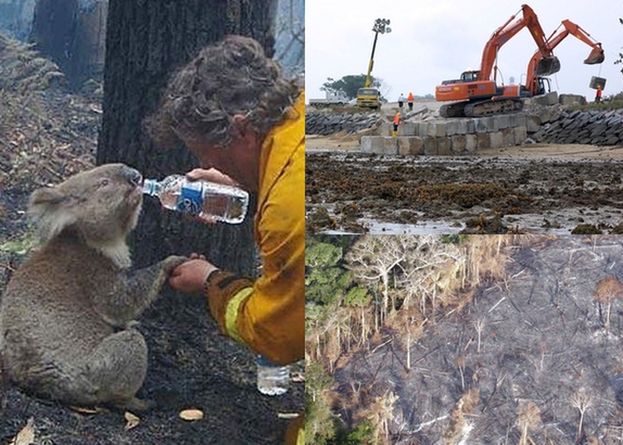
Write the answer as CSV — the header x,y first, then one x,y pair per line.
x,y
368,96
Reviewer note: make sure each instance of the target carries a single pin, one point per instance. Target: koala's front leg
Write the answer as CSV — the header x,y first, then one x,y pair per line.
x,y
135,291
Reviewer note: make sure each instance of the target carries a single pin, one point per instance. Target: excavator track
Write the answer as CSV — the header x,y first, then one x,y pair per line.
x,y
493,107
456,109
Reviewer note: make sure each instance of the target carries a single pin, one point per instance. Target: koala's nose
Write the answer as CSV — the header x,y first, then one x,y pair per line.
x,y
133,176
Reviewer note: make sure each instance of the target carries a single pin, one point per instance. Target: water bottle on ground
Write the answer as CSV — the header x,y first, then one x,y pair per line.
x,y
272,379
223,203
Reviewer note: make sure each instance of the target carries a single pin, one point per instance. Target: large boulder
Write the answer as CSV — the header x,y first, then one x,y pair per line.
x,y
571,99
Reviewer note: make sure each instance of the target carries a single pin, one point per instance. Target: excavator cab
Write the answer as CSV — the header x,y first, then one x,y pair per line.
x,y
469,76
543,85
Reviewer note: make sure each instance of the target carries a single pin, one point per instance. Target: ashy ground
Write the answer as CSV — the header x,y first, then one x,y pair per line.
x,y
544,356
190,366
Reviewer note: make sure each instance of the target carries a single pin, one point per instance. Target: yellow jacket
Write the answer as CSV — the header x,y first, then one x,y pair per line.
x,y
268,315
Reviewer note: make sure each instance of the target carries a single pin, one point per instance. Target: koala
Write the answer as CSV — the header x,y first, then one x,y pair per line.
x,y
66,318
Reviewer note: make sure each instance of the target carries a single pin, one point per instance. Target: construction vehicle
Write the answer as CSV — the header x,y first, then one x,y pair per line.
x,y
535,84
478,93
332,99
368,96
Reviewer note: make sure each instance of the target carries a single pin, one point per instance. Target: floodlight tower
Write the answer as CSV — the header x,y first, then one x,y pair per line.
x,y
381,26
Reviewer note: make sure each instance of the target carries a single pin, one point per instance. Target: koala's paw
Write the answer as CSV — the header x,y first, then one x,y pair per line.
x,y
171,262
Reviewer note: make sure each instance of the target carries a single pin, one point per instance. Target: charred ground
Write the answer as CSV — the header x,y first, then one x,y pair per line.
x,y
544,351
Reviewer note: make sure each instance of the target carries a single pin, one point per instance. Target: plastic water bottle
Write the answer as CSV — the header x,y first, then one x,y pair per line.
x,y
272,379
223,203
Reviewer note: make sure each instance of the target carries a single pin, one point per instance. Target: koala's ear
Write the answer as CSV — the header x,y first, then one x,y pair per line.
x,y
46,209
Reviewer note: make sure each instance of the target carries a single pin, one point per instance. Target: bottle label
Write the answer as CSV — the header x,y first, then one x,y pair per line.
x,y
191,198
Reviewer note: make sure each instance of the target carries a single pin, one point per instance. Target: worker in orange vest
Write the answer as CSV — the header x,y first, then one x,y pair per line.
x,y
410,101
396,123
598,94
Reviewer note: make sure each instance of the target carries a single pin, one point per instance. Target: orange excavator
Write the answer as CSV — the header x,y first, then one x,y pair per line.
x,y
535,84
477,91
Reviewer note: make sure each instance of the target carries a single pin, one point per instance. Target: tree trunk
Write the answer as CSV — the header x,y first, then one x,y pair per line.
x,y
16,17
72,33
385,294
408,348
363,326
146,41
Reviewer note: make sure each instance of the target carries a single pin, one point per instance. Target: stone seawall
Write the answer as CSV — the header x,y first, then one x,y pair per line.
x,y
449,136
326,123
595,127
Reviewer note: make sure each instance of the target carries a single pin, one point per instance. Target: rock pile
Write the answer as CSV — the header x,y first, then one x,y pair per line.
x,y
328,122
596,127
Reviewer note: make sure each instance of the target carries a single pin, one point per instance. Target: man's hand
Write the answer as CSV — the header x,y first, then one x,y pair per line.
x,y
190,276
211,175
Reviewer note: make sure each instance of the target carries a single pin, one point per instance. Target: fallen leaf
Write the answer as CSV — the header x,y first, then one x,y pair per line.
x,y
85,410
288,415
191,414
27,435
298,377
132,420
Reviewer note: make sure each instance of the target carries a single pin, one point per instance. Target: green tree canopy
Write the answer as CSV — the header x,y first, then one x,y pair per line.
x,y
326,281
348,85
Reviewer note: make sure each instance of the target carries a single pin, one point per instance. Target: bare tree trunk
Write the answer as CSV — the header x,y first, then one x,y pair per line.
x,y
385,294
146,41
72,33
363,325
408,349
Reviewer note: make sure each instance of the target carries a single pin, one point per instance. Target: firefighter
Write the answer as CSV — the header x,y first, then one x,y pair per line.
x,y
247,128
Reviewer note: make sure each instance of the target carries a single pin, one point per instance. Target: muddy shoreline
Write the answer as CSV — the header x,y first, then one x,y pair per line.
x,y
362,192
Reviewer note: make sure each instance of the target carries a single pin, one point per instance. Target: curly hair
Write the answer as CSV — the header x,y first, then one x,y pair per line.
x,y
230,77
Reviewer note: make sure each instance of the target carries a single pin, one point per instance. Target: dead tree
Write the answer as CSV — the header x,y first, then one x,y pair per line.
x,y
582,402
372,258
290,45
72,33
608,289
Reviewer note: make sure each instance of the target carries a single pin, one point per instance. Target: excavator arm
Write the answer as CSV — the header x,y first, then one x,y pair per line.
x,y
596,55
505,32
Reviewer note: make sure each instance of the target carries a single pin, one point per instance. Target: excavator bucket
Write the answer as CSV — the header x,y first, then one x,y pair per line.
x,y
596,56
547,66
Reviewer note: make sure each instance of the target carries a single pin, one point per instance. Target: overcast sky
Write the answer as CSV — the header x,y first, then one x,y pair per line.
x,y
435,40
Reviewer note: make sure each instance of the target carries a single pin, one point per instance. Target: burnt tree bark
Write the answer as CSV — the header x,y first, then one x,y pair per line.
x,y
146,41
72,33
